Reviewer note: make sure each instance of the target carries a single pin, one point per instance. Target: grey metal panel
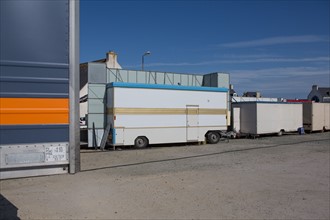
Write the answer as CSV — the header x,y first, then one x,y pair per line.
x,y
214,80
184,80
189,80
193,81
96,106
96,91
132,76
35,70
119,74
199,80
22,158
110,75
97,73
28,79
160,78
98,136
83,76
114,75
33,155
168,78
98,120
33,87
124,76
151,77
27,134
34,48
210,80
223,80
207,80
176,79
33,171
110,101
34,31
141,77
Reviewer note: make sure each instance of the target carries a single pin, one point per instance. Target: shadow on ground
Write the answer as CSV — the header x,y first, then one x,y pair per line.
x,y
202,155
7,209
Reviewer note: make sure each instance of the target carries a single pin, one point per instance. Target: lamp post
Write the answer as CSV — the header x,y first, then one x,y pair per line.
x,y
145,54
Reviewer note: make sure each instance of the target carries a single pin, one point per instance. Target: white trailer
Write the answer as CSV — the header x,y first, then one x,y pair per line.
x,y
256,118
316,116
142,114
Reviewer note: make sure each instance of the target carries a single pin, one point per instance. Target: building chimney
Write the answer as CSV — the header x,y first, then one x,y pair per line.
x,y
111,60
315,87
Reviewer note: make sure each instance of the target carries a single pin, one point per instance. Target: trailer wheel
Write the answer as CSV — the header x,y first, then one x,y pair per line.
x,y
213,137
280,133
141,142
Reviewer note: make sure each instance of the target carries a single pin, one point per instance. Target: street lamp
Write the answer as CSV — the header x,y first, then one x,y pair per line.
x,y
145,54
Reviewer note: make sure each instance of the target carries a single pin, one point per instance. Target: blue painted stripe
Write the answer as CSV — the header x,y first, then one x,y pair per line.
x,y
113,136
32,134
162,86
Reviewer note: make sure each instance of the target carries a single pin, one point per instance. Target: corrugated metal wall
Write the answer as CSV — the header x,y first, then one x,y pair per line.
x,y
34,82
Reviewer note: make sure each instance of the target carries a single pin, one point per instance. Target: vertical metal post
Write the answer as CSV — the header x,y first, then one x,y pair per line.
x,y
94,137
145,54
74,127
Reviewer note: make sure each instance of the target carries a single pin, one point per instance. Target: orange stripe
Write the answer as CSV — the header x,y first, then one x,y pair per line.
x,y
28,111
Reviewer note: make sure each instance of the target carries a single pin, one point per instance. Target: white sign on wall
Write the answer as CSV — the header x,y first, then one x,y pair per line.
x,y
55,153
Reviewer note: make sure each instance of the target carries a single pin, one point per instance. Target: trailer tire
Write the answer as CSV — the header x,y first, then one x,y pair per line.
x,y
213,137
141,142
280,133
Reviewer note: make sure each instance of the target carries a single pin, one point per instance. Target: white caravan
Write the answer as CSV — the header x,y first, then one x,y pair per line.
x,y
257,118
142,114
316,116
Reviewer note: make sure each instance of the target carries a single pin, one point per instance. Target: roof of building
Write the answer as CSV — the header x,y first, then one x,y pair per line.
x,y
252,94
232,92
99,61
324,91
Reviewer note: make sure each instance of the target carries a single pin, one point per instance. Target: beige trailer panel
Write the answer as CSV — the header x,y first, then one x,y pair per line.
x,y
268,117
316,116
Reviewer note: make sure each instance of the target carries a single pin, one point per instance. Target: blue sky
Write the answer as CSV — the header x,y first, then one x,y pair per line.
x,y
280,48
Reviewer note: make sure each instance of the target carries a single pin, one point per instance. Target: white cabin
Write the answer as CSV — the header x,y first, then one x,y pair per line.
x,y
142,114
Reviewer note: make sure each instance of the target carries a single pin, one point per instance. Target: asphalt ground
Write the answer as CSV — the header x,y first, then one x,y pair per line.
x,y
285,177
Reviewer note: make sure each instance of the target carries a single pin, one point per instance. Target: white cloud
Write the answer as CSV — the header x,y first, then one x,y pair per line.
x,y
286,60
277,40
280,72
289,82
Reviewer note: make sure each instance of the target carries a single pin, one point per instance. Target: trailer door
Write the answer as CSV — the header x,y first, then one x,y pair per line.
x,y
237,117
192,122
